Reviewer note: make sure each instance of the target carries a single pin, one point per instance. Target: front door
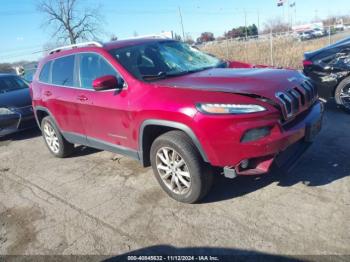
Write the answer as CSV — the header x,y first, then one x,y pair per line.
x,y
105,113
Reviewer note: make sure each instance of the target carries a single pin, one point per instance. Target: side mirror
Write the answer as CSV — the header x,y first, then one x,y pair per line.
x,y
105,83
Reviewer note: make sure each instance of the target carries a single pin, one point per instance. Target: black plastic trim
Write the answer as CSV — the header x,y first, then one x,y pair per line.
x,y
99,144
172,124
75,138
41,108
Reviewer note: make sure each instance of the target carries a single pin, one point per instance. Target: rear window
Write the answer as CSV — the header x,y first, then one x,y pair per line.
x,y
63,71
11,83
45,73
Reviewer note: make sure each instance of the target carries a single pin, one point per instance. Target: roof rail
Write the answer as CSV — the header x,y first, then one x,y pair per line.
x,y
152,36
58,49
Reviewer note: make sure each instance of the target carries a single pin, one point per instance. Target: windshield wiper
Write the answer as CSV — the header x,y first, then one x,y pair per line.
x,y
163,75
223,64
189,71
160,75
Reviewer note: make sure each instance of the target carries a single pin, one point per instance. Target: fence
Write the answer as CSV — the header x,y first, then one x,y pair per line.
x,y
282,49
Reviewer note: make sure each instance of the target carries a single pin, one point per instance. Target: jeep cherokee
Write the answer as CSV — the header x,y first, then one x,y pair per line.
x,y
175,108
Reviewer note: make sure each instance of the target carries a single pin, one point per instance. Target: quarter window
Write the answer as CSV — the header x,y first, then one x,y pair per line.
x,y
63,71
93,66
45,73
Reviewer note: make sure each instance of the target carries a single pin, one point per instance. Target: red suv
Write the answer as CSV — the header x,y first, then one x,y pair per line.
x,y
171,106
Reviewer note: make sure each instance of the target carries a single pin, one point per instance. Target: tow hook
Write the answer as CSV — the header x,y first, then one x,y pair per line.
x,y
322,100
230,172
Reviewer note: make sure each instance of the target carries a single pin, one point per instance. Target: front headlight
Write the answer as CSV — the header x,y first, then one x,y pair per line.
x,y
230,108
5,111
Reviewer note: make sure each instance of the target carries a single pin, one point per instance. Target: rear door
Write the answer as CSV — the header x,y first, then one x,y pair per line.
x,y
61,95
105,113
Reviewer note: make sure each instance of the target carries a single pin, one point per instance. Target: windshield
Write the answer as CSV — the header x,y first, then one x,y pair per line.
x,y
11,83
156,60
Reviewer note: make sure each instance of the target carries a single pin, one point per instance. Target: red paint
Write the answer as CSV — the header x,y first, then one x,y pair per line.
x,y
122,113
240,64
307,63
105,82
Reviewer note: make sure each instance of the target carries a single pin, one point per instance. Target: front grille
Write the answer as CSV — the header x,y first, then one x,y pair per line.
x,y
296,99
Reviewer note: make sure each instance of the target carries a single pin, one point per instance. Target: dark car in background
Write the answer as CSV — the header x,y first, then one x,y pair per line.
x,y
16,112
329,67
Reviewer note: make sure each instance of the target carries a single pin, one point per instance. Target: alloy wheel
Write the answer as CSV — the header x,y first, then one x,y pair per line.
x,y
51,138
345,96
173,170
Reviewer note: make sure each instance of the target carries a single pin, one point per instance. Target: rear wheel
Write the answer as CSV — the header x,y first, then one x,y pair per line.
x,y
342,94
179,168
54,140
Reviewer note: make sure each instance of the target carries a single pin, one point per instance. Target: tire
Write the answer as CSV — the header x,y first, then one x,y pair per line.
x,y
343,87
178,146
55,142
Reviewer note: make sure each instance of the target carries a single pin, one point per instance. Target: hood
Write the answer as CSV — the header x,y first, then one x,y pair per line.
x,y
333,48
16,98
262,82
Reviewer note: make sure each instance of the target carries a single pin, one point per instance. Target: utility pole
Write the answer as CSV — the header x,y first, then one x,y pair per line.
x,y
258,21
316,15
295,13
182,25
288,21
245,24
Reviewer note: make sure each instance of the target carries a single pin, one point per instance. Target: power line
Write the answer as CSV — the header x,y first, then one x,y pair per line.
x,y
22,54
142,12
10,13
15,50
182,25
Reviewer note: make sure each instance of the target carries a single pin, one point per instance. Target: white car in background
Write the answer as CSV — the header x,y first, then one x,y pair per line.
x,y
317,32
339,27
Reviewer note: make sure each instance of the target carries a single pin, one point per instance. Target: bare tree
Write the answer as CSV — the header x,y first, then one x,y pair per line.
x,y
275,25
70,21
113,37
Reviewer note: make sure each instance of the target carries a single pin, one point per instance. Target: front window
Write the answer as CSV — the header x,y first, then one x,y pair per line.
x,y
11,83
93,66
157,60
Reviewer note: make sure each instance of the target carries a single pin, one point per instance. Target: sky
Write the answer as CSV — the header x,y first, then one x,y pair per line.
x,y
23,32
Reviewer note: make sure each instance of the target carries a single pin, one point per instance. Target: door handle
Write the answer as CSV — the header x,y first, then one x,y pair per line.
x,y
47,93
82,98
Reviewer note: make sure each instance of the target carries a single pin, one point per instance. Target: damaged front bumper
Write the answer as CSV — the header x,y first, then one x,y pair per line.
x,y
300,136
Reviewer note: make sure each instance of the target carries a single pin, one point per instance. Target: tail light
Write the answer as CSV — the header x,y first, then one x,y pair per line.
x,y
307,63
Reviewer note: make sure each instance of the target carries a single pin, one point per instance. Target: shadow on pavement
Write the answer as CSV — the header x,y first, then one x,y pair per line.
x,y
325,162
84,151
22,135
201,254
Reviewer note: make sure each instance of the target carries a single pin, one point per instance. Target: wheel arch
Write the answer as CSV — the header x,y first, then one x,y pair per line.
x,y
152,128
347,76
340,81
40,112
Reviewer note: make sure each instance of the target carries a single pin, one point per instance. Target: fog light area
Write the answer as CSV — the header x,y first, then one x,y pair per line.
x,y
255,134
244,163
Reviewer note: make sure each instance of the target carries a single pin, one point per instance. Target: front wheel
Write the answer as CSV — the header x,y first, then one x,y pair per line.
x,y
342,94
179,168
